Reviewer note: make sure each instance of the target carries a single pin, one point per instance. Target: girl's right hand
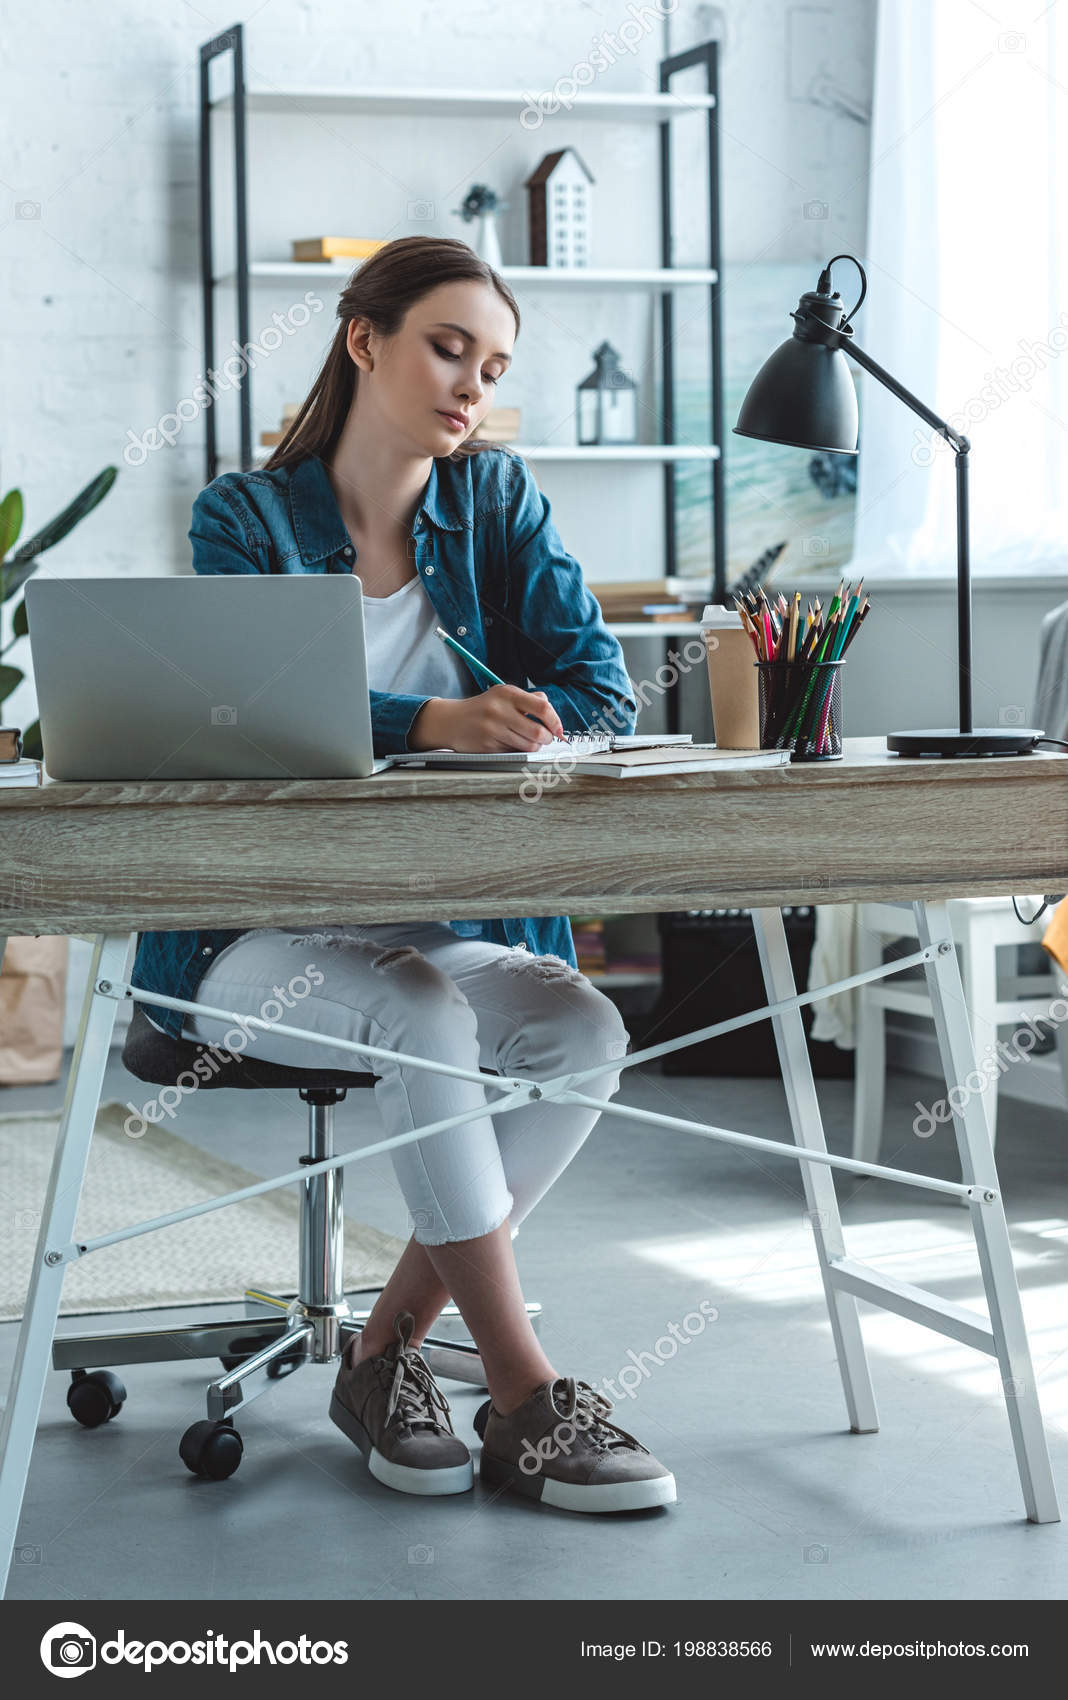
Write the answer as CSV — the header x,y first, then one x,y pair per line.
x,y
494,720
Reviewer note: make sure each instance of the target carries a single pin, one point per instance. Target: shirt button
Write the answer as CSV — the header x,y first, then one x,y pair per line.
x,y
460,630
428,569
206,951
348,552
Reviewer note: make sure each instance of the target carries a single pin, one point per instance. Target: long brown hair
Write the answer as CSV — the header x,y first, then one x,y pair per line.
x,y
381,289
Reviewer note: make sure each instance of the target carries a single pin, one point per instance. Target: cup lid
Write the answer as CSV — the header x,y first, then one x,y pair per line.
x,y
718,618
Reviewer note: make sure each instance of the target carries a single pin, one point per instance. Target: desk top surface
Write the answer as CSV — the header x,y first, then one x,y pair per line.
x,y
864,760
187,855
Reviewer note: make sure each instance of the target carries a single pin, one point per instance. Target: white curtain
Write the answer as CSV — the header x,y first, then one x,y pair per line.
x,y
967,262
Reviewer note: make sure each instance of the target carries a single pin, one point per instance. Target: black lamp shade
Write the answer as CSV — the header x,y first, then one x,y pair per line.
x,y
803,394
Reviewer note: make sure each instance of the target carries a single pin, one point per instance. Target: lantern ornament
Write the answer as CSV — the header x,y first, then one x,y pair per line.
x,y
607,402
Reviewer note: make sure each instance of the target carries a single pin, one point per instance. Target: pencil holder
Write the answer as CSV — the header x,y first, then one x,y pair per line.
x,y
801,708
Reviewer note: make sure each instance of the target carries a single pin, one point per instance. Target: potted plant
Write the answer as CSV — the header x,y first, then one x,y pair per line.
x,y
16,568
33,975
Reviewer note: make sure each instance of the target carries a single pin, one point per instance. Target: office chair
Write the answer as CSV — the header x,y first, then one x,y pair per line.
x,y
277,1336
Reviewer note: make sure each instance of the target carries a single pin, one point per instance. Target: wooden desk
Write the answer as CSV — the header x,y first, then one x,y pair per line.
x,y
250,853
115,858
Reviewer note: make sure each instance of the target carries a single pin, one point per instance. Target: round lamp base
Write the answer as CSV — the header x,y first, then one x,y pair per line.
x,y
948,742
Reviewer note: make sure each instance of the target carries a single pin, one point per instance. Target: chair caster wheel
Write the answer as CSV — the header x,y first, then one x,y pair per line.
x,y
95,1398
211,1450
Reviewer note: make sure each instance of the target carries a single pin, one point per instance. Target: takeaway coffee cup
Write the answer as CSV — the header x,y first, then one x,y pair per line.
x,y
732,679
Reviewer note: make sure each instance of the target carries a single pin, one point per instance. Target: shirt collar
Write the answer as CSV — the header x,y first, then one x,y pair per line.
x,y
317,523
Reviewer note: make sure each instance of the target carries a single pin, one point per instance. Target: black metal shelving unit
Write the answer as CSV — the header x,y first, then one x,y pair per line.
x,y
231,42
707,54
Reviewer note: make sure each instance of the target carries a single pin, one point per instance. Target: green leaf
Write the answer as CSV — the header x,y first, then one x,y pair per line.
x,y
10,520
26,555
20,625
10,679
32,748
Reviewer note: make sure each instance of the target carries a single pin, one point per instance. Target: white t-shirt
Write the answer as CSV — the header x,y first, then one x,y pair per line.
x,y
403,654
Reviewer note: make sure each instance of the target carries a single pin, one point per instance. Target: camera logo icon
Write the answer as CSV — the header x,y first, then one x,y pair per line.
x,y
224,714
68,1649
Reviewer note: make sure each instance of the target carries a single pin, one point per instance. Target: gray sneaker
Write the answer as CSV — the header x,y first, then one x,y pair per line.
x,y
391,1407
558,1447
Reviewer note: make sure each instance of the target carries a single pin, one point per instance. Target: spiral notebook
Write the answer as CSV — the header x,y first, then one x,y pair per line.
x,y
571,745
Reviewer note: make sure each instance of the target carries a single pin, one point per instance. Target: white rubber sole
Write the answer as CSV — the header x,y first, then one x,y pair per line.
x,y
573,1496
458,1478
610,1496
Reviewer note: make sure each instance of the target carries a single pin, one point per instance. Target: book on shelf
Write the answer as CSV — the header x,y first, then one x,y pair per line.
x,y
588,935
501,425
336,247
649,599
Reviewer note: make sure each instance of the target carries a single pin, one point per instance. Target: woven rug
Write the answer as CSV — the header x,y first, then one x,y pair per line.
x,y
212,1257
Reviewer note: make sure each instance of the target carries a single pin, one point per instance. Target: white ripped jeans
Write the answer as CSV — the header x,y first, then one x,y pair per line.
x,y
421,988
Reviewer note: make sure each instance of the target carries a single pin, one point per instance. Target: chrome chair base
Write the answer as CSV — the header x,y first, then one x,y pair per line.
x,y
263,1347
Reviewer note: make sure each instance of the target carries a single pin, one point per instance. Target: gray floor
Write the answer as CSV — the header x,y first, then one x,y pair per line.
x,y
776,1498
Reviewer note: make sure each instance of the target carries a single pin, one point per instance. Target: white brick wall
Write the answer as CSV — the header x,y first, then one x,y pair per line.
x,y
98,130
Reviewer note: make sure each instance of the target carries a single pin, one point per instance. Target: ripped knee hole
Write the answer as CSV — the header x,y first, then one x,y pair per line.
x,y
518,960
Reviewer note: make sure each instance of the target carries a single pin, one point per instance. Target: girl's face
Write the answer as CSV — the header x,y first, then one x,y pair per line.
x,y
436,378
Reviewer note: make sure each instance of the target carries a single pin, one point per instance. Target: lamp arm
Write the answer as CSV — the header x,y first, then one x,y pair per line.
x,y
844,340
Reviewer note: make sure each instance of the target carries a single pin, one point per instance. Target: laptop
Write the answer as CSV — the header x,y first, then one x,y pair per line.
x,y
222,676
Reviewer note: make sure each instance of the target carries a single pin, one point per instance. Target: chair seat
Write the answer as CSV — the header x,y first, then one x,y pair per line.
x,y
155,1057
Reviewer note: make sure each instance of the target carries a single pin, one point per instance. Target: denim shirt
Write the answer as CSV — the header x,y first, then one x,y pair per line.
x,y
501,581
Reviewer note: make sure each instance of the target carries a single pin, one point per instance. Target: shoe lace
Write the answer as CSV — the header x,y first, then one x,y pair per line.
x,y
416,1395
580,1400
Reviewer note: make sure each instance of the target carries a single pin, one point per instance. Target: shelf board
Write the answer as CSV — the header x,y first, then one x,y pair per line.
x,y
651,628
533,277
625,107
620,452
611,979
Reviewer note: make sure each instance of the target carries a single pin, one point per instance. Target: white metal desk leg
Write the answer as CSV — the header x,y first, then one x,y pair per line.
x,y
817,1179
978,1168
111,953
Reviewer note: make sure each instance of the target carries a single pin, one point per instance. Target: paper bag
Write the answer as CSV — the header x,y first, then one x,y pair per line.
x,y
1055,937
33,997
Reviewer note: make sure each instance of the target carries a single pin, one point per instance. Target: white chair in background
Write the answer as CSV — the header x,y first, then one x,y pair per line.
x,y
981,925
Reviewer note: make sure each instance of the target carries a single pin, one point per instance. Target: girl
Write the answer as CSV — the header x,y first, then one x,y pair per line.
x,y
378,475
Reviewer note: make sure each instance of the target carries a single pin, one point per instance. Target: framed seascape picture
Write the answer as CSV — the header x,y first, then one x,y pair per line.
x,y
774,493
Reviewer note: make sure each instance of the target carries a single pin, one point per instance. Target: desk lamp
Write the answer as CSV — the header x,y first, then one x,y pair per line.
x,y
803,395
